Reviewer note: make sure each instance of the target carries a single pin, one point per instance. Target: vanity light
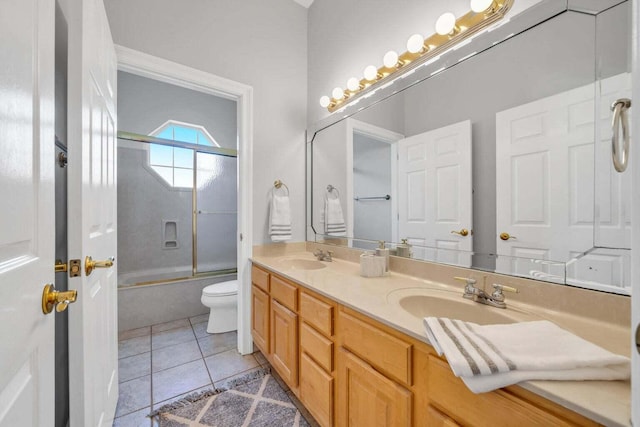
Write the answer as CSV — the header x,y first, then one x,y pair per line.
x,y
420,51
446,24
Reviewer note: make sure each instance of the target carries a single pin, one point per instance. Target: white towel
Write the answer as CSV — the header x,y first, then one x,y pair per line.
x,y
488,357
333,218
280,218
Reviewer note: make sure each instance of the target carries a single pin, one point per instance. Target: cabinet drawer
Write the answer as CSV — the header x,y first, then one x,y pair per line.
x,y
379,348
316,390
285,293
319,347
260,278
317,313
498,408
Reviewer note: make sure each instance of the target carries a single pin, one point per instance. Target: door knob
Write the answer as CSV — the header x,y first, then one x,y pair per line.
x,y
464,232
506,236
90,264
60,300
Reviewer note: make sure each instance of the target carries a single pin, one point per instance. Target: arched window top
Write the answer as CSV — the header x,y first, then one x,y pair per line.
x,y
185,132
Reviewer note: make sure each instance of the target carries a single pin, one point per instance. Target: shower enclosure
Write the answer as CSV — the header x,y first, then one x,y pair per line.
x,y
177,210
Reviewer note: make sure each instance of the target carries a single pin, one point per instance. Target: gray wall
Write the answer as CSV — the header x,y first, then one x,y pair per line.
x,y
259,43
145,104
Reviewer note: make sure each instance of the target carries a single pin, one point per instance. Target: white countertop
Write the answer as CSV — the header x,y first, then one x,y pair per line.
x,y
606,402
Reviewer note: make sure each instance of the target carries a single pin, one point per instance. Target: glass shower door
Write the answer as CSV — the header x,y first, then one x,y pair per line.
x,y
215,219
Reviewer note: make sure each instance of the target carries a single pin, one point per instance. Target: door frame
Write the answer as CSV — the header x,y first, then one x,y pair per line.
x,y
635,230
152,67
382,135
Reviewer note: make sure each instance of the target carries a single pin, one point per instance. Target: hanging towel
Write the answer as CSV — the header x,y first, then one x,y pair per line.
x,y
488,357
333,219
280,218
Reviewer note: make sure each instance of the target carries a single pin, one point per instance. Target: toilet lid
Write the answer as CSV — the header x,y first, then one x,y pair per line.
x,y
222,289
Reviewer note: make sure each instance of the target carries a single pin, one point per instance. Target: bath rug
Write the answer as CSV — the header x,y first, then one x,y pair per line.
x,y
256,400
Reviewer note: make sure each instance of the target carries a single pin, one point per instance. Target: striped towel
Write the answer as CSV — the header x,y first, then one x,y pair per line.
x,y
333,219
280,218
488,357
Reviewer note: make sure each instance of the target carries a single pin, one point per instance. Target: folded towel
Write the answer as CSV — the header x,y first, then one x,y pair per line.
x,y
333,219
280,218
488,357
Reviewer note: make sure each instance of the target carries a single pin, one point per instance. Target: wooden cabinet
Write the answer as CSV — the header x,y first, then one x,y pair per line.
x,y
368,398
436,418
260,318
316,390
284,342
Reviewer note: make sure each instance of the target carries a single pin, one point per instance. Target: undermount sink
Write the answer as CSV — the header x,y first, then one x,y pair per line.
x,y
302,264
434,303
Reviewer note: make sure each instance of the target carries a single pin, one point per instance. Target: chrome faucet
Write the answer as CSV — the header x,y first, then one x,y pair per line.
x,y
495,299
323,256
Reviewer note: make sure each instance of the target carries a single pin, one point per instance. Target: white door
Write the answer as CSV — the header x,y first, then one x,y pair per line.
x,y
435,193
93,349
544,183
26,212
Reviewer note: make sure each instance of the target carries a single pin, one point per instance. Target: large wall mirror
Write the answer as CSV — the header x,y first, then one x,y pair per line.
x,y
498,159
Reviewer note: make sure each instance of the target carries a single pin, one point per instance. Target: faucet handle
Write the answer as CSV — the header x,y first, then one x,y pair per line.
x,y
469,290
499,288
467,280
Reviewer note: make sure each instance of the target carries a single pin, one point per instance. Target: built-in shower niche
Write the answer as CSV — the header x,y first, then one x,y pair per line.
x,y
170,234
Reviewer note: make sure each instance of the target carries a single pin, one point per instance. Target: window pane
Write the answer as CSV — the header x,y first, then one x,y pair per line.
x,y
185,134
161,155
165,173
203,139
182,157
183,178
167,133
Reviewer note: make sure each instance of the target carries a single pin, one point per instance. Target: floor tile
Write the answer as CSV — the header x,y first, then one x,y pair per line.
x,y
161,327
134,333
199,319
217,343
172,337
174,355
229,363
134,419
134,395
224,383
134,366
200,329
180,396
180,379
133,346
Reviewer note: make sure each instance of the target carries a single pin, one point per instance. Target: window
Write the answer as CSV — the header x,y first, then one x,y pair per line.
x,y
175,164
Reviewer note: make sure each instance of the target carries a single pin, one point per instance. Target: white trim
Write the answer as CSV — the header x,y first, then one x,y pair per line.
x,y
155,68
379,134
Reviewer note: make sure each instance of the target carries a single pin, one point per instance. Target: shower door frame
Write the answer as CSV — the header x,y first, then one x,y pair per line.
x,y
152,67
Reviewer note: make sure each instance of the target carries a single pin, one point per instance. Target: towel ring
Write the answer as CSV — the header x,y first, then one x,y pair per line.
x,y
278,184
619,108
331,188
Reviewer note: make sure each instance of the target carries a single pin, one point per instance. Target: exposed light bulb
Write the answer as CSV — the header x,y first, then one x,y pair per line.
x,y
446,23
324,101
353,84
390,59
337,93
415,44
371,73
479,6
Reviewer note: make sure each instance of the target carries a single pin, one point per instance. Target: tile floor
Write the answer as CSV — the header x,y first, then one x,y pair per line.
x,y
162,363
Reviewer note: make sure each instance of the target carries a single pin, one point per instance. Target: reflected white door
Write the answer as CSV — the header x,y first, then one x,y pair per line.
x,y
27,212
93,349
544,182
435,192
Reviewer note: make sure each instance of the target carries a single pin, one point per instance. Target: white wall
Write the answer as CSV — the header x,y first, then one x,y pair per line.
x,y
259,43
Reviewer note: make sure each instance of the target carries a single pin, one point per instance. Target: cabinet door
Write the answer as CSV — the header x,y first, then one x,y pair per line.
x,y
316,390
436,418
284,342
260,319
368,398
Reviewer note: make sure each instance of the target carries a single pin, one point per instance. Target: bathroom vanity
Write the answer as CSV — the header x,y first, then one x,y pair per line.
x,y
354,354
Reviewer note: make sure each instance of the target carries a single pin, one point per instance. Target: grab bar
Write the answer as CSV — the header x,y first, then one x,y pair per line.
x,y
619,108
385,197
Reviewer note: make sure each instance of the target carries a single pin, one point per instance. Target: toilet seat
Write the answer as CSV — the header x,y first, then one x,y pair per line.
x,y
221,289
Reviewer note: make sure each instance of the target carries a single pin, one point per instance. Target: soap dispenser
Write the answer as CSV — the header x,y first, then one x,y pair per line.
x,y
383,252
404,249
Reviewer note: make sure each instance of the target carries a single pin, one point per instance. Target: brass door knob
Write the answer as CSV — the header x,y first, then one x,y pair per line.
x,y
506,236
60,300
90,264
464,232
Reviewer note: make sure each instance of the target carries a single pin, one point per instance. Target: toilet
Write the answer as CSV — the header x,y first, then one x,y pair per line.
x,y
222,300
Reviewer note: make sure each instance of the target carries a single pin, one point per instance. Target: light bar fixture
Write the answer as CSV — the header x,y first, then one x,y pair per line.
x,y
448,32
